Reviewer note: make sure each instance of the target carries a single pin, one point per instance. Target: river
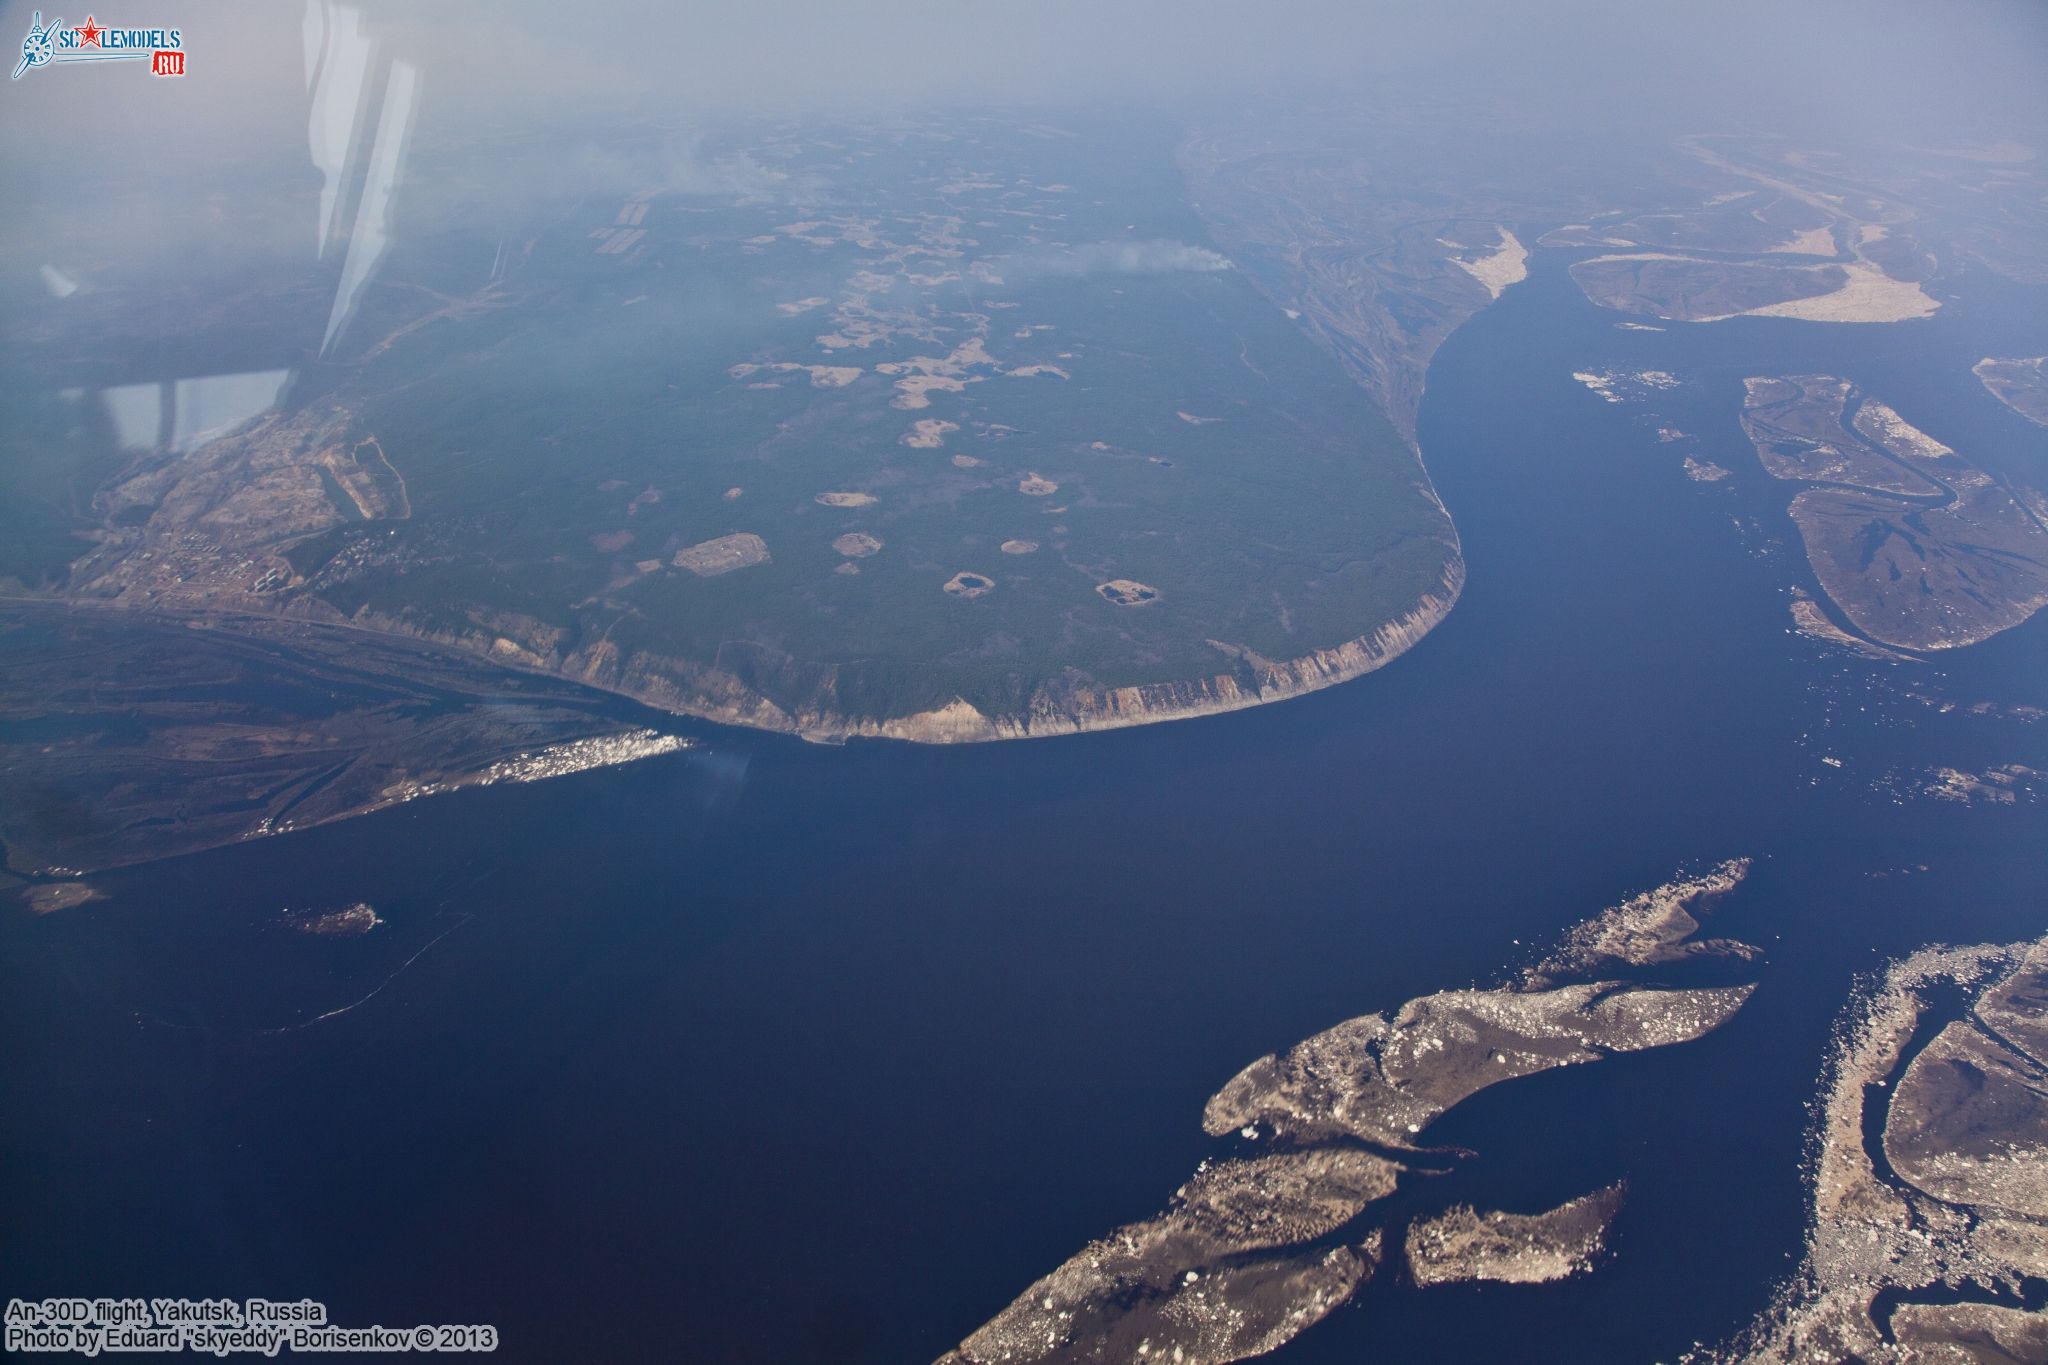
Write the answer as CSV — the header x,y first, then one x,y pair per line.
x,y
773,1052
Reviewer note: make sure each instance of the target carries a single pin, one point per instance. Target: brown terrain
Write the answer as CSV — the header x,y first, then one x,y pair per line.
x,y
1919,1242
1252,1251
1811,234
1919,548
1462,1245
2021,385
186,734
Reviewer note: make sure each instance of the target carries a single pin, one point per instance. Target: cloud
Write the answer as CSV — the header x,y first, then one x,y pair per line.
x,y
1156,257
452,185
678,164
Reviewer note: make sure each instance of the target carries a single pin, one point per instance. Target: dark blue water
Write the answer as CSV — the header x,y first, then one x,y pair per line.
x,y
769,1052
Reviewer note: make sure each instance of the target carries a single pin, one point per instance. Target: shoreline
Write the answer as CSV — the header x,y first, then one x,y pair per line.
x,y
1099,709
1161,703
715,695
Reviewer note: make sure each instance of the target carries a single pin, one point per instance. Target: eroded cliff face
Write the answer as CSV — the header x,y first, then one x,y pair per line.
x,y
720,692
749,685
1257,682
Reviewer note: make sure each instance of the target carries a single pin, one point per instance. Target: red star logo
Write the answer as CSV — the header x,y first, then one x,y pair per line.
x,y
89,33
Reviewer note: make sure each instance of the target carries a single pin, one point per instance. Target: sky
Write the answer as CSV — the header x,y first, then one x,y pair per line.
x,y
99,158
1867,53
521,59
